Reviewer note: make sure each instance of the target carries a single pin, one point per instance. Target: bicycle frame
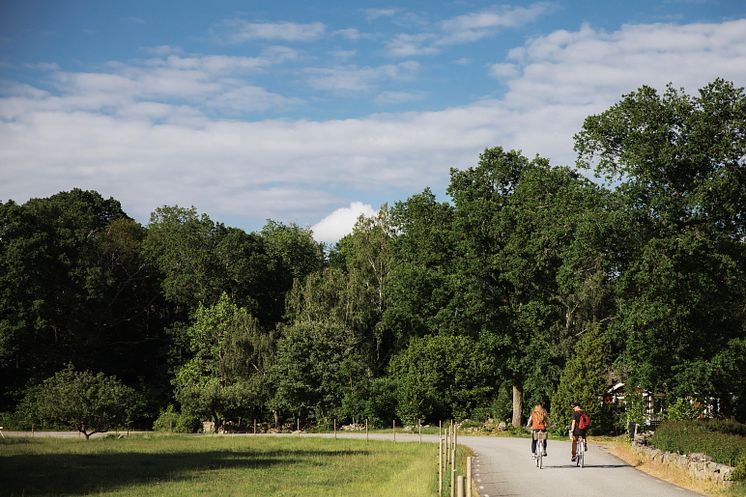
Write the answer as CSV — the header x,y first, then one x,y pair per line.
x,y
539,436
580,452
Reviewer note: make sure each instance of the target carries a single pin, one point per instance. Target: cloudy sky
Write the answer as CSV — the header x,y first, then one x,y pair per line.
x,y
315,112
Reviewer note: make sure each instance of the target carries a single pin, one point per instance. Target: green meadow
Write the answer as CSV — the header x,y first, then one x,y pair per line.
x,y
213,465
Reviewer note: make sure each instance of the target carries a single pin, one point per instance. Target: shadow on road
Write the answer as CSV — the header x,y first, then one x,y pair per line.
x,y
587,466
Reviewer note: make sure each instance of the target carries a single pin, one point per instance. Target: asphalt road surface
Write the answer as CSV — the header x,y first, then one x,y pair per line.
x,y
503,468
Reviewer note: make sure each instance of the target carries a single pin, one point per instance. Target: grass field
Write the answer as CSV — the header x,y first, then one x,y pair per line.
x,y
213,465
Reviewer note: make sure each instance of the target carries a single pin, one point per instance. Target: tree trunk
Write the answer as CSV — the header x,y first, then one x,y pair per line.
x,y
277,418
517,405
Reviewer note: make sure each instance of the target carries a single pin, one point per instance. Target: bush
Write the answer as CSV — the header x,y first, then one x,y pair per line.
x,y
12,421
173,421
683,410
695,437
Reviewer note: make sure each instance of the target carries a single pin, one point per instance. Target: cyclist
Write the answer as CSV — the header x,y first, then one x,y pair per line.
x,y
537,422
576,430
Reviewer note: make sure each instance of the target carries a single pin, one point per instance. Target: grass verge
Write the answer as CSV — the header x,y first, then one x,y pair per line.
x,y
213,465
621,448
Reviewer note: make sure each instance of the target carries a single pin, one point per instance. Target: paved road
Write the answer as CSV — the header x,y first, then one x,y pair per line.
x,y
503,467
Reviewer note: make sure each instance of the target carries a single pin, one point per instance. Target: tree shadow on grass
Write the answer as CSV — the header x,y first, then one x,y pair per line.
x,y
77,474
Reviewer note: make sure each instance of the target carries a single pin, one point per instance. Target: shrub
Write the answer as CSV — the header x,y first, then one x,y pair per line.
x,y
683,410
694,437
171,420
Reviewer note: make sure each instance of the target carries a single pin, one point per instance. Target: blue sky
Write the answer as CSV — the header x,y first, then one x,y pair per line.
x,y
316,112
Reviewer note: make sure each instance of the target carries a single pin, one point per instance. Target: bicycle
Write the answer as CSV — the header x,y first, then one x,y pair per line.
x,y
539,436
580,452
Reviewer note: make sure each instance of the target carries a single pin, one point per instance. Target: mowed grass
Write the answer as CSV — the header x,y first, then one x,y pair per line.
x,y
213,465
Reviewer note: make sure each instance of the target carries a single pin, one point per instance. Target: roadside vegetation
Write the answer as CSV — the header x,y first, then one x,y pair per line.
x,y
620,447
723,441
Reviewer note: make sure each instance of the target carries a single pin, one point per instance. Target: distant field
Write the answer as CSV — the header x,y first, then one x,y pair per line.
x,y
213,465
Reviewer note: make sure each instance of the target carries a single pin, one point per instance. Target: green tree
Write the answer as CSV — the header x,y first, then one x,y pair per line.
x,y
419,289
294,246
181,244
73,287
679,164
441,376
532,267
368,259
318,364
89,403
584,381
231,356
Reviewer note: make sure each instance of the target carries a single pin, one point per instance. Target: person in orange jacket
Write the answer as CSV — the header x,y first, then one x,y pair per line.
x,y
538,423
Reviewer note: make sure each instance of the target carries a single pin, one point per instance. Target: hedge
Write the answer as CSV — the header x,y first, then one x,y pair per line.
x,y
689,437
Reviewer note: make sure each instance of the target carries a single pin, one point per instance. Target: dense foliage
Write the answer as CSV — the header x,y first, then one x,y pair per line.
x,y
532,283
689,437
86,402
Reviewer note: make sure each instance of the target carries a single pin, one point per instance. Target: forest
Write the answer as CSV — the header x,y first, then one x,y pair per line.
x,y
530,283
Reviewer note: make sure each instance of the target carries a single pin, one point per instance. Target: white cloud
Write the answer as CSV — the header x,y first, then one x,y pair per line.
x,y
123,133
465,28
234,31
407,45
351,34
340,222
354,79
373,14
343,54
398,97
279,54
477,25
502,70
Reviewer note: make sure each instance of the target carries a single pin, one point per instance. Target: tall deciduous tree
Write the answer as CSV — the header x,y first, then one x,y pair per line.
x,y
227,376
74,288
535,264
440,376
318,365
419,290
681,168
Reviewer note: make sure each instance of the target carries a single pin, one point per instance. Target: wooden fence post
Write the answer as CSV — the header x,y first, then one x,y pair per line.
x,y
448,439
440,467
453,481
468,476
393,424
460,486
366,429
419,429
335,428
